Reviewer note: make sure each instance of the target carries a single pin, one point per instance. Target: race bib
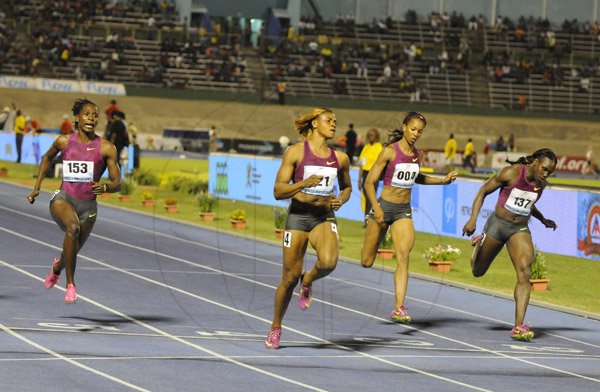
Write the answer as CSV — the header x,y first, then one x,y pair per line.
x,y
405,175
78,171
520,202
325,187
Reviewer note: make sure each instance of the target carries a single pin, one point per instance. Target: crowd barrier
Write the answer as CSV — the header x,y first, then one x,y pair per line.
x,y
441,210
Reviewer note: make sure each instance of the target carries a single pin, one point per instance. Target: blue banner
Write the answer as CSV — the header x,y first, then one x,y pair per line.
x,y
449,211
34,146
442,210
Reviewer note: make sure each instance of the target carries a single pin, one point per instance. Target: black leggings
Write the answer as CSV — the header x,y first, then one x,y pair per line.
x,y
19,143
368,205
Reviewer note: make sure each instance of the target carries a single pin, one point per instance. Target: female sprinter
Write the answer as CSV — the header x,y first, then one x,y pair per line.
x,y
73,207
521,185
307,175
399,163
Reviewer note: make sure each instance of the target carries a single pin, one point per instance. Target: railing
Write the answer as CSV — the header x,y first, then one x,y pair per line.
x,y
545,98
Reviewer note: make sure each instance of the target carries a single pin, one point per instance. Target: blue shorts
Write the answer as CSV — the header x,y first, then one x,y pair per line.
x,y
86,210
502,230
393,211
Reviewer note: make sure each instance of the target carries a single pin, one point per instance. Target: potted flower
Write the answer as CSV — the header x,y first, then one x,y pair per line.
x,y
207,203
279,216
386,247
147,199
127,187
171,205
538,280
3,171
238,218
441,257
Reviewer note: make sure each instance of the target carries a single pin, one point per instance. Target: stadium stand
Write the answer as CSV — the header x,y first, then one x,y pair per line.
x,y
445,59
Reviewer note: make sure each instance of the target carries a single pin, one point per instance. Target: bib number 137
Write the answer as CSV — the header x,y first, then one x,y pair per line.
x,y
522,202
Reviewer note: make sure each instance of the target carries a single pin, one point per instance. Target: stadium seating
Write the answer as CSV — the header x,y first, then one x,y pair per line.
x,y
142,59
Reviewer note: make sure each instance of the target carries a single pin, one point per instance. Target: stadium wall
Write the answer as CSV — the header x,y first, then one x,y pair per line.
x,y
263,121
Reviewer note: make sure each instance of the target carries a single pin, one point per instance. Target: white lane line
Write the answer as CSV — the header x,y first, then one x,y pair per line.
x,y
266,356
544,352
253,282
278,264
476,315
314,299
241,312
69,360
163,333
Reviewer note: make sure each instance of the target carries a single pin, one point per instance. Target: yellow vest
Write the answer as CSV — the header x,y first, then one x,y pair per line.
x,y
20,125
369,155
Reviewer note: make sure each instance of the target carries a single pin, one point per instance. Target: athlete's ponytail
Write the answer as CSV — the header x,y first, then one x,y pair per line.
x,y
397,134
541,153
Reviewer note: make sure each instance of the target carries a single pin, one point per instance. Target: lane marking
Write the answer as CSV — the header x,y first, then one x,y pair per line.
x,y
241,312
456,310
278,264
159,331
532,352
297,331
266,356
273,287
61,357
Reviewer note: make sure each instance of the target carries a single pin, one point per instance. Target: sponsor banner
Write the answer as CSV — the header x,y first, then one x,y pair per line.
x,y
248,146
58,85
449,211
588,226
62,85
246,178
18,82
102,88
499,158
191,139
436,159
564,163
441,210
569,164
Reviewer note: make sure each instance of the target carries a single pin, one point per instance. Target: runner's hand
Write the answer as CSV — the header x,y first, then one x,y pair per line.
x,y
549,223
312,181
33,195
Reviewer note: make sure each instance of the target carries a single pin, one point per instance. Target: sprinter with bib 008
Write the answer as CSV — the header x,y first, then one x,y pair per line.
x,y
521,184
399,163
307,175
73,207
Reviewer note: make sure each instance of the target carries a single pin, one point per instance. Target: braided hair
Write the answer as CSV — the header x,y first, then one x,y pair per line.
x,y
539,154
397,134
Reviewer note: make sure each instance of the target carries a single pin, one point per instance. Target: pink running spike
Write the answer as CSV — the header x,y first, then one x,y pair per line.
x,y
52,278
305,298
71,296
400,315
273,337
522,332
